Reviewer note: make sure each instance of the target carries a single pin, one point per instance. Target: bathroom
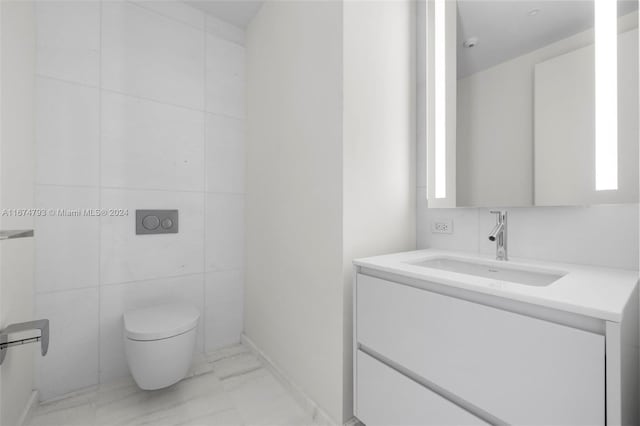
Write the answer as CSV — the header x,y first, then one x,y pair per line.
x,y
319,212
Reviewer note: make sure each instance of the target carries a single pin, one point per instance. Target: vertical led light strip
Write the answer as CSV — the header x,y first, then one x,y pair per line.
x,y
440,125
606,65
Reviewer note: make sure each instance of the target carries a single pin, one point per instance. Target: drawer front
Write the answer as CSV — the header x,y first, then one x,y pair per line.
x,y
519,369
386,397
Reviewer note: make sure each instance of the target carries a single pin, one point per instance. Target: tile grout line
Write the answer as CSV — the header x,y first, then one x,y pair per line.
x,y
141,281
205,180
166,16
36,378
204,27
139,97
100,16
125,188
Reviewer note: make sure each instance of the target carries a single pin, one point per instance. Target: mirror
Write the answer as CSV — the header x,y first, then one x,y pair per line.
x,y
527,129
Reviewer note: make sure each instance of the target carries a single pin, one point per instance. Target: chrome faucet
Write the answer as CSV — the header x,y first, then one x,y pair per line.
x,y
499,234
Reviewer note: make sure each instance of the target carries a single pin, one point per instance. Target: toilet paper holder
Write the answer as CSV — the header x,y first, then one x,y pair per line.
x,y
23,327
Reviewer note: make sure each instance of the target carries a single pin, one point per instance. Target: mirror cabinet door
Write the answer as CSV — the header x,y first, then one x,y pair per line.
x,y
546,103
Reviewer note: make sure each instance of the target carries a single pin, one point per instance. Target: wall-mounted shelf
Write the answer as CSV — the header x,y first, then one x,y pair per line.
x,y
19,233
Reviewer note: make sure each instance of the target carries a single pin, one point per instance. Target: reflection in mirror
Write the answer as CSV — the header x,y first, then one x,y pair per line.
x,y
526,112
586,133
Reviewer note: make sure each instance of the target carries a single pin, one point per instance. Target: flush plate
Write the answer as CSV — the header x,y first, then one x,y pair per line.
x,y
156,222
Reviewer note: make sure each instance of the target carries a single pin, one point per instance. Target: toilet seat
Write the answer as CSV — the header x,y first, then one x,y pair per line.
x,y
160,322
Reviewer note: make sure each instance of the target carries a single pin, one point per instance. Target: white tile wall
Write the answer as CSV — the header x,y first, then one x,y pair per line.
x,y
224,232
72,360
224,30
225,154
150,55
125,256
175,10
67,133
223,322
67,248
147,144
225,78
68,41
121,124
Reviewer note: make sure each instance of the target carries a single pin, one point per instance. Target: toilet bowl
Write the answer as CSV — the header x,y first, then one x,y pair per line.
x,y
159,343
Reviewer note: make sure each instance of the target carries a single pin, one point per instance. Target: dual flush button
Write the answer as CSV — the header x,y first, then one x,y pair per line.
x,y
151,222
156,222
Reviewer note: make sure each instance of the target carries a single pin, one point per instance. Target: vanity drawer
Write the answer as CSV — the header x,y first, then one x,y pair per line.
x,y
519,369
387,397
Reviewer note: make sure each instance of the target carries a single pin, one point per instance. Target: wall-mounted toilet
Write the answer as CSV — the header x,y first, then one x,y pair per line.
x,y
159,343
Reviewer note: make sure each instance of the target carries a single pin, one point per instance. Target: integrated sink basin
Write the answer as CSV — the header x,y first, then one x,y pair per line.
x,y
486,270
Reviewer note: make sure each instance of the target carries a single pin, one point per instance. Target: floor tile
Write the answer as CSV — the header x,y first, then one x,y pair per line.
x,y
77,410
222,418
191,398
235,365
201,365
238,392
262,400
227,352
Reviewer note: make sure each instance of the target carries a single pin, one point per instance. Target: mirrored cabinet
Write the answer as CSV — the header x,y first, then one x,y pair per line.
x,y
531,103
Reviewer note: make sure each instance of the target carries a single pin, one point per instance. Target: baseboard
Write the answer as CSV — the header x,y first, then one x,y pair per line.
x,y
319,416
28,409
353,422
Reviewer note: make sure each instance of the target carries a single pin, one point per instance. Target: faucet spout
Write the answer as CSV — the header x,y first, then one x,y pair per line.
x,y
499,235
497,230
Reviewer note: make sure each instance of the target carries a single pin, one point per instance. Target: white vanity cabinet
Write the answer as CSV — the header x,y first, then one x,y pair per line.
x,y
386,397
424,355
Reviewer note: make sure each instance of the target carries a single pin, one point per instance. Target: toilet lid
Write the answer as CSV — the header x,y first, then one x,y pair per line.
x,y
160,322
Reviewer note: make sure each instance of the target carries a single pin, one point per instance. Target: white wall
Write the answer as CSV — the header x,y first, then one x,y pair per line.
x,y
378,142
16,192
605,235
139,106
331,128
294,294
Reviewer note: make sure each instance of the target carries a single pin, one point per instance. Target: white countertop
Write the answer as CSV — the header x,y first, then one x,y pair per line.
x,y
586,290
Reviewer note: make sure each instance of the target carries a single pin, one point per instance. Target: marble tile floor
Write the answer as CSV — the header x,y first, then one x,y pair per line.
x,y
230,387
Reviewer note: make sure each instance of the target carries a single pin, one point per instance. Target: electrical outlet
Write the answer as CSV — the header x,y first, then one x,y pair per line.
x,y
442,226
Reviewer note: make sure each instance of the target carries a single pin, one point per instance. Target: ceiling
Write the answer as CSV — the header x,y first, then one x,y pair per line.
x,y
505,29
237,12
